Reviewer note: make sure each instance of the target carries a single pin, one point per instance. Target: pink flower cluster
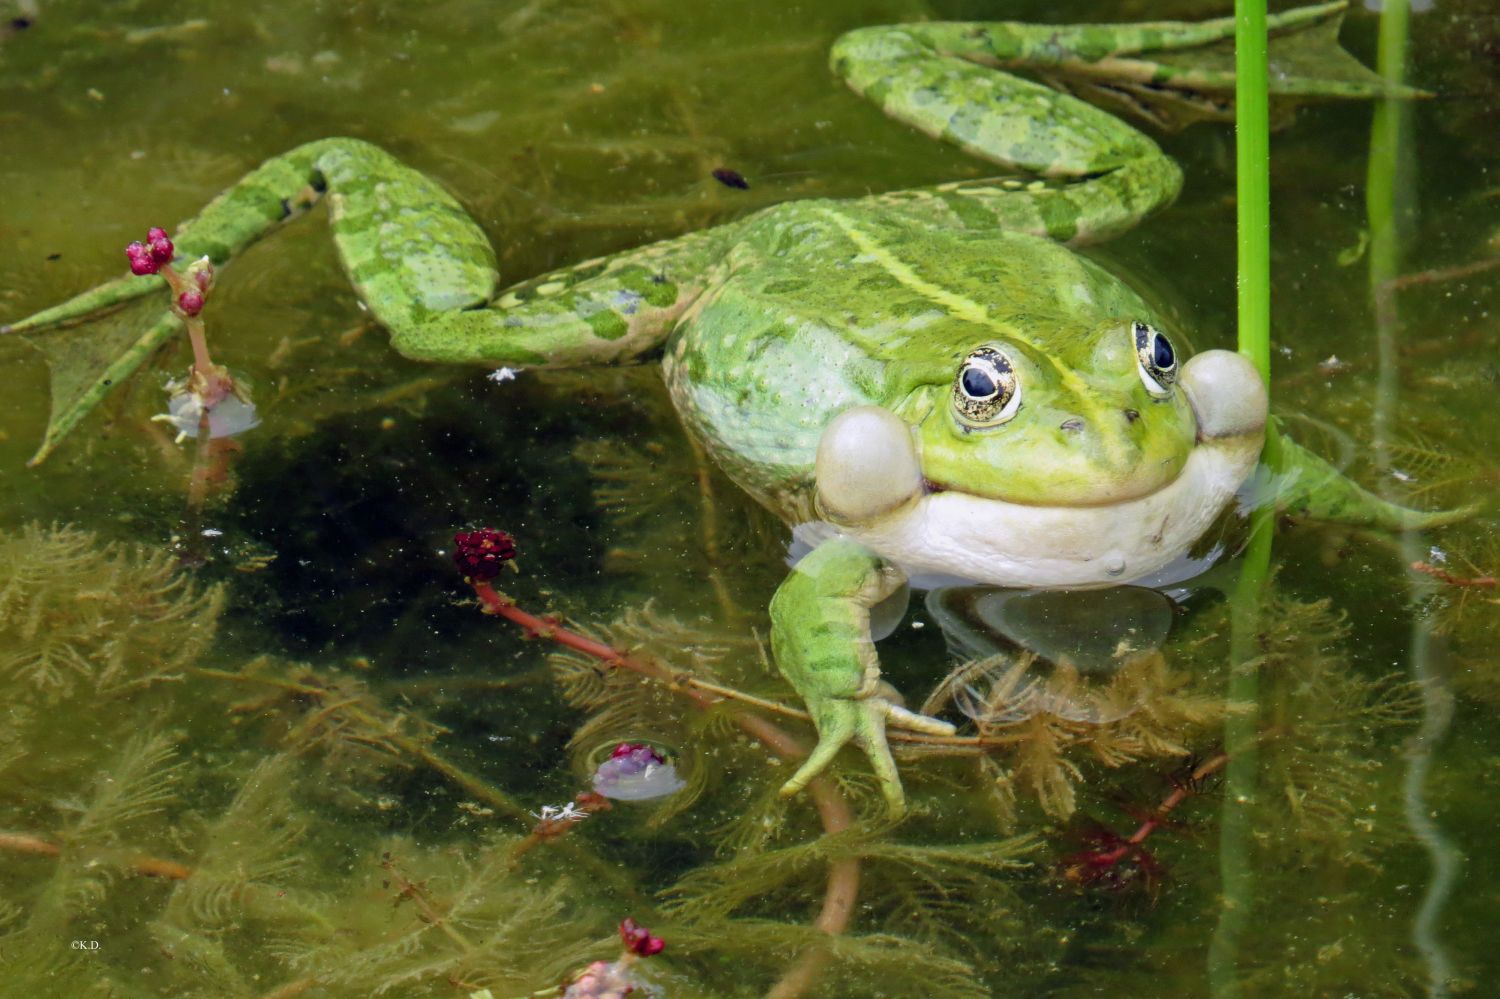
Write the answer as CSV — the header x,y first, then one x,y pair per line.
x,y
637,750
152,255
638,940
615,979
155,255
481,554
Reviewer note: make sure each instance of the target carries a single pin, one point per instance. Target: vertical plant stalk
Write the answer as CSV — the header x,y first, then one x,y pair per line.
x,y
1242,773
1253,203
1252,174
1383,206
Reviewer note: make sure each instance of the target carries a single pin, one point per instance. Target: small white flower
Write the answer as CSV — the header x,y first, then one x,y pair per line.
x,y
560,813
501,375
230,416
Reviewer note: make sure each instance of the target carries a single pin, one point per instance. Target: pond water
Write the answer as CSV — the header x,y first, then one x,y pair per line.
x,y
259,740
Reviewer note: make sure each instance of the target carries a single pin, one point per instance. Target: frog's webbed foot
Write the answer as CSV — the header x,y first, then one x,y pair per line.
x,y
820,634
862,721
1307,486
421,266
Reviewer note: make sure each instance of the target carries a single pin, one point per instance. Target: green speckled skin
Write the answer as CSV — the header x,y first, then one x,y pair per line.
x,y
776,349
775,324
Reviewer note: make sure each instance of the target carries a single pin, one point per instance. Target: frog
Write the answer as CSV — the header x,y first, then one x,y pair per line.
x,y
931,380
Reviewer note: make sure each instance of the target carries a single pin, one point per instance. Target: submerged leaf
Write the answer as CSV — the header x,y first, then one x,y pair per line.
x,y
1174,86
88,361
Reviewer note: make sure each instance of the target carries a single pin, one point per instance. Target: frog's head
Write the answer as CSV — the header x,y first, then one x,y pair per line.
x,y
1104,418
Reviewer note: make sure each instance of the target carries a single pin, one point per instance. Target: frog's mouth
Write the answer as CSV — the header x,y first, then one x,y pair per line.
x,y
870,485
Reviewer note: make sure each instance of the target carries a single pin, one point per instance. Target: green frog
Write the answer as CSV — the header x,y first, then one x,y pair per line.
x,y
924,381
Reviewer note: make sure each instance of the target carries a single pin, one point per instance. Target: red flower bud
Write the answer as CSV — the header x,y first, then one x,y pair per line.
x,y
141,261
632,748
161,248
190,303
480,554
638,940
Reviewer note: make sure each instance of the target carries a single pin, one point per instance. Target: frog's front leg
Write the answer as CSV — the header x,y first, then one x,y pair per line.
x,y
820,635
424,269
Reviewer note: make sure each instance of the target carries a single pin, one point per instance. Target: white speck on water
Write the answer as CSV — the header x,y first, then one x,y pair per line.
x,y
502,375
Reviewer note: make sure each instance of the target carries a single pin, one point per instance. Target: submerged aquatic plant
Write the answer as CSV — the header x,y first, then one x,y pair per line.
x,y
1117,860
1038,725
81,617
138,815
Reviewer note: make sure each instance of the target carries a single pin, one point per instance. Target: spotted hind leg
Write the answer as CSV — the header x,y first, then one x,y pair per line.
x,y
420,264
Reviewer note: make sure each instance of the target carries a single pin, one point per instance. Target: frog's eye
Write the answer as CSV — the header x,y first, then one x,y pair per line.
x,y
986,392
1156,361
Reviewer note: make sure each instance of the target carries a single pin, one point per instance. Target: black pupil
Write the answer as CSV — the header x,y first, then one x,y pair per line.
x,y
1161,353
978,384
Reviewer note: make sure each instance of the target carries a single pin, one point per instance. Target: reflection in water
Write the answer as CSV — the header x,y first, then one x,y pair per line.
x,y
1391,209
1091,630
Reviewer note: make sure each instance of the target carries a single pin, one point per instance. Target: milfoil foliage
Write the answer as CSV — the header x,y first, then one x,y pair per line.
x,y
249,828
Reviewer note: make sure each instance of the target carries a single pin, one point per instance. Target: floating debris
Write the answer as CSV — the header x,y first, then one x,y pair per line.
x,y
731,178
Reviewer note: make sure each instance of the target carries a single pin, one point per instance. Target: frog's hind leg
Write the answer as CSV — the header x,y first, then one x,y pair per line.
x,y
427,273
607,310
1100,175
420,264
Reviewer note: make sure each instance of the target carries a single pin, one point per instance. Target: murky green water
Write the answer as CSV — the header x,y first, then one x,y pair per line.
x,y
304,766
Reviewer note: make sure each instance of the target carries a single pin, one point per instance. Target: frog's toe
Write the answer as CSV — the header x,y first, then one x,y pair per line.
x,y
900,717
871,738
862,722
836,722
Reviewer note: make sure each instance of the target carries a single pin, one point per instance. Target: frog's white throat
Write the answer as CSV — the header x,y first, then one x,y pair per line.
x,y
869,484
1011,544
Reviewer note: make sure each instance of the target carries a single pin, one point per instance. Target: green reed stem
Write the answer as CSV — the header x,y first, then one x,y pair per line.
x,y
1241,777
1242,773
1253,183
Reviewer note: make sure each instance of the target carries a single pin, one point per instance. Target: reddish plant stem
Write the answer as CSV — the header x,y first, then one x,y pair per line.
x,y
1179,794
550,829
1439,573
841,891
701,693
22,843
151,867
1442,274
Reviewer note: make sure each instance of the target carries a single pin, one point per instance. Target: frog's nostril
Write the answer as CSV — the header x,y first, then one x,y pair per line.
x,y
1072,425
1131,416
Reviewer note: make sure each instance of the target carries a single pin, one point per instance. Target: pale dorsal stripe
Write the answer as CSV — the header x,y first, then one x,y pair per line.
x,y
971,311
